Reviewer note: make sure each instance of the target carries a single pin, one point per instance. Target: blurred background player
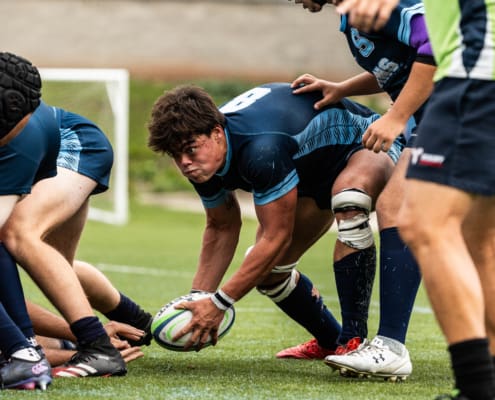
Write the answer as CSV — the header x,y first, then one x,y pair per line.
x,y
257,143
448,217
397,61
28,153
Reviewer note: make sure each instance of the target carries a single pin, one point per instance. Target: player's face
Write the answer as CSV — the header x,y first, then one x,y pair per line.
x,y
202,157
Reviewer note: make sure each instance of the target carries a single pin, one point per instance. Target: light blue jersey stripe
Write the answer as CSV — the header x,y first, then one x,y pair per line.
x,y
332,127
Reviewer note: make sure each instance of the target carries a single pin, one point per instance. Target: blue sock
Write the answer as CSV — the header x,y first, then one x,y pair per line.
x,y
87,330
354,277
308,309
11,337
11,293
399,283
129,312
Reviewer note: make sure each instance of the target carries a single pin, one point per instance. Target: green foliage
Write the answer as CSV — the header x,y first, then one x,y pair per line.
x,y
153,259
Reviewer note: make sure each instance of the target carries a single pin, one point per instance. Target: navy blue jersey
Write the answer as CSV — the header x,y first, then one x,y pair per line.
x,y
276,141
32,154
390,52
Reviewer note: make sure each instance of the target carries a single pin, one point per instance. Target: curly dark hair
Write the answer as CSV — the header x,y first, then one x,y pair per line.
x,y
179,115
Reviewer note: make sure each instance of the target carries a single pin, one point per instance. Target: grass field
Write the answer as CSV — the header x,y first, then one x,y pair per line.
x,y
152,260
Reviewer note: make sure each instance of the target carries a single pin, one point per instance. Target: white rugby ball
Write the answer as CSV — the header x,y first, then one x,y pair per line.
x,y
169,321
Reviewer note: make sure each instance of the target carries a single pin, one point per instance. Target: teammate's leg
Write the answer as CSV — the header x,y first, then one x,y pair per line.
x,y
33,236
116,306
452,282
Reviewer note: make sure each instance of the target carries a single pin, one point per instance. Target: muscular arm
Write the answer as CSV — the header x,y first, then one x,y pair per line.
x,y
332,92
414,93
276,222
223,225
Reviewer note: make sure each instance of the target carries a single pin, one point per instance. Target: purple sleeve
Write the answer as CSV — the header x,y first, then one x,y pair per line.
x,y
419,36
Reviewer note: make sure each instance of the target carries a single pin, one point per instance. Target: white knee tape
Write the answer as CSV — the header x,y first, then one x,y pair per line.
x,y
355,232
351,199
282,269
283,289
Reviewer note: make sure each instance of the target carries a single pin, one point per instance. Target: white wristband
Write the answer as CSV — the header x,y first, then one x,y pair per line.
x,y
221,300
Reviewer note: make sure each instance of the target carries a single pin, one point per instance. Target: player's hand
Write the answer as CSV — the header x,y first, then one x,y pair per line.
x,y
117,330
330,91
381,134
310,5
204,323
131,354
367,15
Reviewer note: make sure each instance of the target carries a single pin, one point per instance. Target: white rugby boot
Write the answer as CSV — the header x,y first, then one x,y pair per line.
x,y
382,357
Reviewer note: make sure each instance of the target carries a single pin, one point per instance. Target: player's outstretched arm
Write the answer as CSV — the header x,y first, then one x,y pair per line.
x,y
367,15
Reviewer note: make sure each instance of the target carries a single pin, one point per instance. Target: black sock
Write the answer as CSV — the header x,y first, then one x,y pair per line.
x,y
354,277
308,309
473,369
87,330
129,312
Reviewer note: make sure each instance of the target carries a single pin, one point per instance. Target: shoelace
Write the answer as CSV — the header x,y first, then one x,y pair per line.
x,y
368,348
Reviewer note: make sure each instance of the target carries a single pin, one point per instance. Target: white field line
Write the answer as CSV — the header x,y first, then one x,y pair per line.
x,y
136,270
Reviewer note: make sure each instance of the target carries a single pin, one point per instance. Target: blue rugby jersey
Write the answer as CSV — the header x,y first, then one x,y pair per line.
x,y
276,141
390,52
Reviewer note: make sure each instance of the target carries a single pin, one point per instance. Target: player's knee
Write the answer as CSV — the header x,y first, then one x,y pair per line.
x,y
354,231
16,239
281,290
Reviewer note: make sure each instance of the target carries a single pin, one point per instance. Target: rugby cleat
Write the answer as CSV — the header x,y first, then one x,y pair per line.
x,y
18,373
351,345
100,358
374,359
309,350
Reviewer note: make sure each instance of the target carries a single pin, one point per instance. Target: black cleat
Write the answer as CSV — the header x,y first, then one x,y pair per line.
x,y
99,358
28,375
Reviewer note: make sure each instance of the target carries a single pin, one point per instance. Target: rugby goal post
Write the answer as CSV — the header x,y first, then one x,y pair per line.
x,y
101,95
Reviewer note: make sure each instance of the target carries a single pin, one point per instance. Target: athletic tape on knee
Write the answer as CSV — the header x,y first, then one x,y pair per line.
x,y
282,290
356,231
281,269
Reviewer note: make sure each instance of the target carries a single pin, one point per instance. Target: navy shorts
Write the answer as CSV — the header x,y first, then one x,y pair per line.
x,y
456,137
31,155
84,149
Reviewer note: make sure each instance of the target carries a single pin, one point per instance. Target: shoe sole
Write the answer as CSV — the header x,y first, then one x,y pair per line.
x,y
31,384
349,372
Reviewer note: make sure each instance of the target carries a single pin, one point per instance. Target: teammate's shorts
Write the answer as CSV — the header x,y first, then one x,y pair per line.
x,y
84,149
456,137
31,155
323,173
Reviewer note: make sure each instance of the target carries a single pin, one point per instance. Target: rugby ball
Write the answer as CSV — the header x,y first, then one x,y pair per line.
x,y
169,321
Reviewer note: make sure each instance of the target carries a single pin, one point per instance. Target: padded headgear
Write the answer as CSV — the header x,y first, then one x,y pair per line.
x,y
20,90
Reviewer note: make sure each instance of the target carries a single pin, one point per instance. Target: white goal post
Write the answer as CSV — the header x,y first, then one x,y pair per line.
x,y
114,85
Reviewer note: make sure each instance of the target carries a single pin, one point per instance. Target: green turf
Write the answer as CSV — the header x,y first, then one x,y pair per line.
x,y
156,254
